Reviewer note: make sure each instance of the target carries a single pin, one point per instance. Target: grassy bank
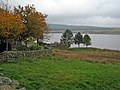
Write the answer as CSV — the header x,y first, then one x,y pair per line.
x,y
91,55
63,74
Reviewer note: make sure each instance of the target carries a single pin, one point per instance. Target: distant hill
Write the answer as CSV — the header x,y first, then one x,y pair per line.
x,y
73,27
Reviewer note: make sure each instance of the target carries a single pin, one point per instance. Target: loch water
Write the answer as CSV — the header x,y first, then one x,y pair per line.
x,y
103,41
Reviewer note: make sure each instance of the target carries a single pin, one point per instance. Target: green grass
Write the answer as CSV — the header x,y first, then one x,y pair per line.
x,y
90,49
63,74
32,43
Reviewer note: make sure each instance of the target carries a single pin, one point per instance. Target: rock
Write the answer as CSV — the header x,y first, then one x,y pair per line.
x,y
8,84
6,87
11,56
14,84
23,88
5,81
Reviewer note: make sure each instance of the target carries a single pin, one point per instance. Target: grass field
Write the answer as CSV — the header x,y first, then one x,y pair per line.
x,y
55,73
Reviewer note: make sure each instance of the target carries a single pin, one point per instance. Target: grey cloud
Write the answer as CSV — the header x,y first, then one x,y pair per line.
x,y
78,12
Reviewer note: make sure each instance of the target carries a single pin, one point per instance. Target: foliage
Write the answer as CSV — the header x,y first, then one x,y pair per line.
x,y
22,24
34,22
87,40
32,43
10,25
63,74
88,49
67,37
78,39
61,46
35,47
22,48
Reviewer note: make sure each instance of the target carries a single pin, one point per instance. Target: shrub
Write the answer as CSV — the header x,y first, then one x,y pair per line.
x,y
33,48
22,48
60,46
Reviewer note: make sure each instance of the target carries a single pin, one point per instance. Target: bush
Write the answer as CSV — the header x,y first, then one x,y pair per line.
x,y
60,45
22,48
33,48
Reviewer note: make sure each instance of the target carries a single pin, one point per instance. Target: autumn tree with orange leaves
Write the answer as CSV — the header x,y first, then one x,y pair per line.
x,y
11,25
22,23
34,22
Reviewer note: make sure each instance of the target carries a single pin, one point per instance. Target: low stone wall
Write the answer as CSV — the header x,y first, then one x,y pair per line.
x,y
14,55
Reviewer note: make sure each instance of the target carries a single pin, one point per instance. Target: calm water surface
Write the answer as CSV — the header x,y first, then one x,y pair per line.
x,y
98,40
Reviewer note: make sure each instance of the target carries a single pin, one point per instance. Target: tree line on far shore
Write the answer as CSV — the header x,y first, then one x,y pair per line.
x,y
67,38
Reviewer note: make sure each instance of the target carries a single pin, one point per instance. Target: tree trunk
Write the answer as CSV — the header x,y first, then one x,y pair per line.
x,y
37,42
78,45
7,45
26,44
69,45
19,42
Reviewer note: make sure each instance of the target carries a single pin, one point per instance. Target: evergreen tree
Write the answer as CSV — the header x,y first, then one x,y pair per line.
x,y
87,40
78,39
67,37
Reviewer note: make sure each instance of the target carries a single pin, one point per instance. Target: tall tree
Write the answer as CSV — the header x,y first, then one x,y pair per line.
x,y
87,40
78,39
34,22
10,25
67,37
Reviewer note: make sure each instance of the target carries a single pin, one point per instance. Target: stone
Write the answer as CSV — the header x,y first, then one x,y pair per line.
x,y
11,56
23,88
5,81
14,84
8,84
6,87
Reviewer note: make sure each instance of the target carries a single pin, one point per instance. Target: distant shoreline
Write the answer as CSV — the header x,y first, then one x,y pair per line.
x,y
111,32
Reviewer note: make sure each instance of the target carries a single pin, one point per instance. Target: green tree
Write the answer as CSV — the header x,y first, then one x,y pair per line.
x,y
78,39
34,22
67,37
87,40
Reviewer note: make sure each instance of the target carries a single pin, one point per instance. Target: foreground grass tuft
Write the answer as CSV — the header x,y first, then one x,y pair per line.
x,y
63,74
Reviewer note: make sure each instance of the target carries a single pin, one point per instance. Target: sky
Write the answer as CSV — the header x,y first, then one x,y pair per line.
x,y
77,12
